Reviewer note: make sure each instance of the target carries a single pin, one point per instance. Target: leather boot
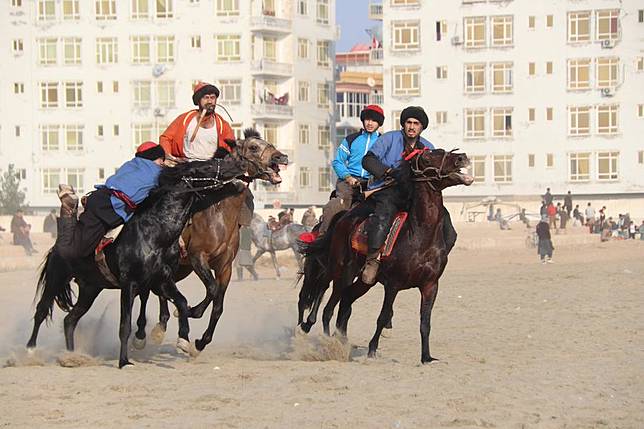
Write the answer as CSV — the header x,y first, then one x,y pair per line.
x,y
370,269
65,238
68,201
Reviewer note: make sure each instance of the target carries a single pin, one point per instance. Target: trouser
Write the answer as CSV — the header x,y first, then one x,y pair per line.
x,y
79,238
386,203
25,241
345,197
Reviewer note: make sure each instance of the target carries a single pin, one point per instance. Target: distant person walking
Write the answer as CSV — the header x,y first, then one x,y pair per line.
x,y
568,203
545,247
547,198
576,215
50,224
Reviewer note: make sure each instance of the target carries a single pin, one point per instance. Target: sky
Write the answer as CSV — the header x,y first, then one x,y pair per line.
x,y
353,18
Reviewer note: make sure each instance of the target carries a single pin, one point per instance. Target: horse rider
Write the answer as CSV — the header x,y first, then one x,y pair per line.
x,y
352,177
382,161
110,205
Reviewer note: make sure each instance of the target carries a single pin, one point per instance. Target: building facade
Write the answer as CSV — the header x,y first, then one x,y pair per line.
x,y
539,94
85,82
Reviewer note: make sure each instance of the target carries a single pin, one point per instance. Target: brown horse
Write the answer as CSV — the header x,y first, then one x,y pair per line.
x,y
418,259
212,240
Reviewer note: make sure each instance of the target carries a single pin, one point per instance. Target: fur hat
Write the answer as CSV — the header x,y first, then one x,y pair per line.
x,y
373,112
201,89
150,150
415,112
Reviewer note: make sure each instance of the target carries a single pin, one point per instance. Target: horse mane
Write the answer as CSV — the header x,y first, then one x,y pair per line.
x,y
172,176
251,132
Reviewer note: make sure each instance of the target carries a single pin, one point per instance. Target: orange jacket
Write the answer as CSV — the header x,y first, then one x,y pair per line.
x,y
173,137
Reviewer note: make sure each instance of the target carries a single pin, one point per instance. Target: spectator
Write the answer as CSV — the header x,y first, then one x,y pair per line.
x,y
576,215
568,203
563,217
641,230
543,211
20,230
244,258
631,230
547,198
545,247
50,224
498,217
523,218
552,215
590,217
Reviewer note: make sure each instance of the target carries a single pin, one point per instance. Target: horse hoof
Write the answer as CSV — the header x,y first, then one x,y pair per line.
x,y
158,334
426,360
125,364
371,354
31,351
301,331
187,347
138,343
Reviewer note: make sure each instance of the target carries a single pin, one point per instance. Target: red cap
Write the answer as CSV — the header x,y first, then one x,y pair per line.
x,y
145,146
375,108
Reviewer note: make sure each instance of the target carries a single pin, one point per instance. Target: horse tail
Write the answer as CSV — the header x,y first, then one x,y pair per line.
x,y
53,284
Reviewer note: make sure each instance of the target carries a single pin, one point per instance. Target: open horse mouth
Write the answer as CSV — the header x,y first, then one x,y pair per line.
x,y
273,171
464,176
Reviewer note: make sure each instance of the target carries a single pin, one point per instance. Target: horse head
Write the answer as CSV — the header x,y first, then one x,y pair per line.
x,y
263,158
442,169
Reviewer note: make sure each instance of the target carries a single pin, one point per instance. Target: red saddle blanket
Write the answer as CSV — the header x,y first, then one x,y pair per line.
x,y
359,236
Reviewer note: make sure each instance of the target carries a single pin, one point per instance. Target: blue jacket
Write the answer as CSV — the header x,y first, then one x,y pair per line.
x,y
348,157
389,149
135,178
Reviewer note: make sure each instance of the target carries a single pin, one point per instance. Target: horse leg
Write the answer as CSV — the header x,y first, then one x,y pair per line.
x,y
158,332
327,314
170,291
125,325
203,271
350,294
259,253
221,285
385,316
86,297
274,259
428,297
139,336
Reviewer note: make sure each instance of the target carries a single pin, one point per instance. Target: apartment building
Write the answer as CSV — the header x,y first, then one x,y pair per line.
x,y
539,94
85,82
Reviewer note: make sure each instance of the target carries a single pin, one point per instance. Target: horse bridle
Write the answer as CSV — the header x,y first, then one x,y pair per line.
x,y
421,174
257,164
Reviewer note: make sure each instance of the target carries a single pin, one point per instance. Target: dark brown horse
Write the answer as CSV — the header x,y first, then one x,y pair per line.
x,y
212,241
418,259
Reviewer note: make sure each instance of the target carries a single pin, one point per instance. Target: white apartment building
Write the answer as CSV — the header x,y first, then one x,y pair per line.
x,y
539,94
85,81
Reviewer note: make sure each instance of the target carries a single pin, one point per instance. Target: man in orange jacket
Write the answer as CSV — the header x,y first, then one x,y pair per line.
x,y
196,134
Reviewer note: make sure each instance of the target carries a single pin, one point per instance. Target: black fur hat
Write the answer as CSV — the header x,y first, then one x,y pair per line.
x,y
415,112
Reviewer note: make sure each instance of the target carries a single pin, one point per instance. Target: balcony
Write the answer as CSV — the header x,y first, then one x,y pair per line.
x,y
271,68
272,111
270,24
376,56
375,11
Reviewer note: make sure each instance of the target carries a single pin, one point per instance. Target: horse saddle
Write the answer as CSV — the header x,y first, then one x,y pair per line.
x,y
99,255
359,236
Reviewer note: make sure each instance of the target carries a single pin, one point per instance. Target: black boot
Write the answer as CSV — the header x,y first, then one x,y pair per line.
x,y
65,239
371,266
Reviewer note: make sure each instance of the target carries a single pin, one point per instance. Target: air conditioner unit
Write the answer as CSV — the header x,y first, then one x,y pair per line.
x,y
456,40
158,70
608,43
158,112
608,92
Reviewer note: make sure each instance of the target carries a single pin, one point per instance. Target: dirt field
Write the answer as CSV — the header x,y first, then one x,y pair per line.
x,y
520,345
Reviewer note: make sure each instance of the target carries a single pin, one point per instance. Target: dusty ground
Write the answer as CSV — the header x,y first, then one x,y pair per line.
x,y
520,345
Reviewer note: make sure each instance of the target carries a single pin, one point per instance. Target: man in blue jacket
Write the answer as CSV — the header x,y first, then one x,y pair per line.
x,y
352,177
383,160
110,205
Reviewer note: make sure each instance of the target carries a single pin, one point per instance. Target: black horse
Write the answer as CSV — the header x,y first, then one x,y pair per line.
x,y
143,258
418,259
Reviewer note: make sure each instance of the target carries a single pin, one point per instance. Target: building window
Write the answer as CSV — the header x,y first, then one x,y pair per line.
x,y
502,31
75,178
502,122
532,69
18,88
324,179
474,123
550,160
579,167
74,138
17,46
530,160
640,157
73,94
71,51
474,78
639,65
140,9
531,22
305,177
302,7
501,77
531,114
474,32
640,111
395,119
142,91
164,9
115,86
579,121
48,94
51,180
303,48
404,2
106,50
228,47
607,119
105,9
99,87
165,93
195,42
406,81
607,72
549,67
441,72
303,91
165,49
579,73
607,24
304,134
270,48
640,16
116,130
271,133
46,10
503,168
406,35
324,57
140,49
607,166
579,26
49,138
324,137
351,103
549,21
141,133
477,168
441,118
549,113
17,130
322,11
47,51
227,7
323,95
230,91
441,30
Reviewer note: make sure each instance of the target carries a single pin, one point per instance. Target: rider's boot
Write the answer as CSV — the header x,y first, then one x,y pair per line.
x,y
377,231
67,220
371,266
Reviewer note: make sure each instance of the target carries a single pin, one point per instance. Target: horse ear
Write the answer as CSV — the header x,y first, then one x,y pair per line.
x,y
221,153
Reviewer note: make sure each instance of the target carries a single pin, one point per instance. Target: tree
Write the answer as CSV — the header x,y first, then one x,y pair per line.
x,y
11,197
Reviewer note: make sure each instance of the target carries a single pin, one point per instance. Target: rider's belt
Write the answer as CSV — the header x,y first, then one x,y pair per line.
x,y
131,205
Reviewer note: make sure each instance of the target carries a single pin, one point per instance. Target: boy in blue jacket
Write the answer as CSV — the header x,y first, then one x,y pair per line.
x,y
111,205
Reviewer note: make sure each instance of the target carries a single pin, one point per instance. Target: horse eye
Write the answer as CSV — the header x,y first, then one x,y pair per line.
x,y
254,147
